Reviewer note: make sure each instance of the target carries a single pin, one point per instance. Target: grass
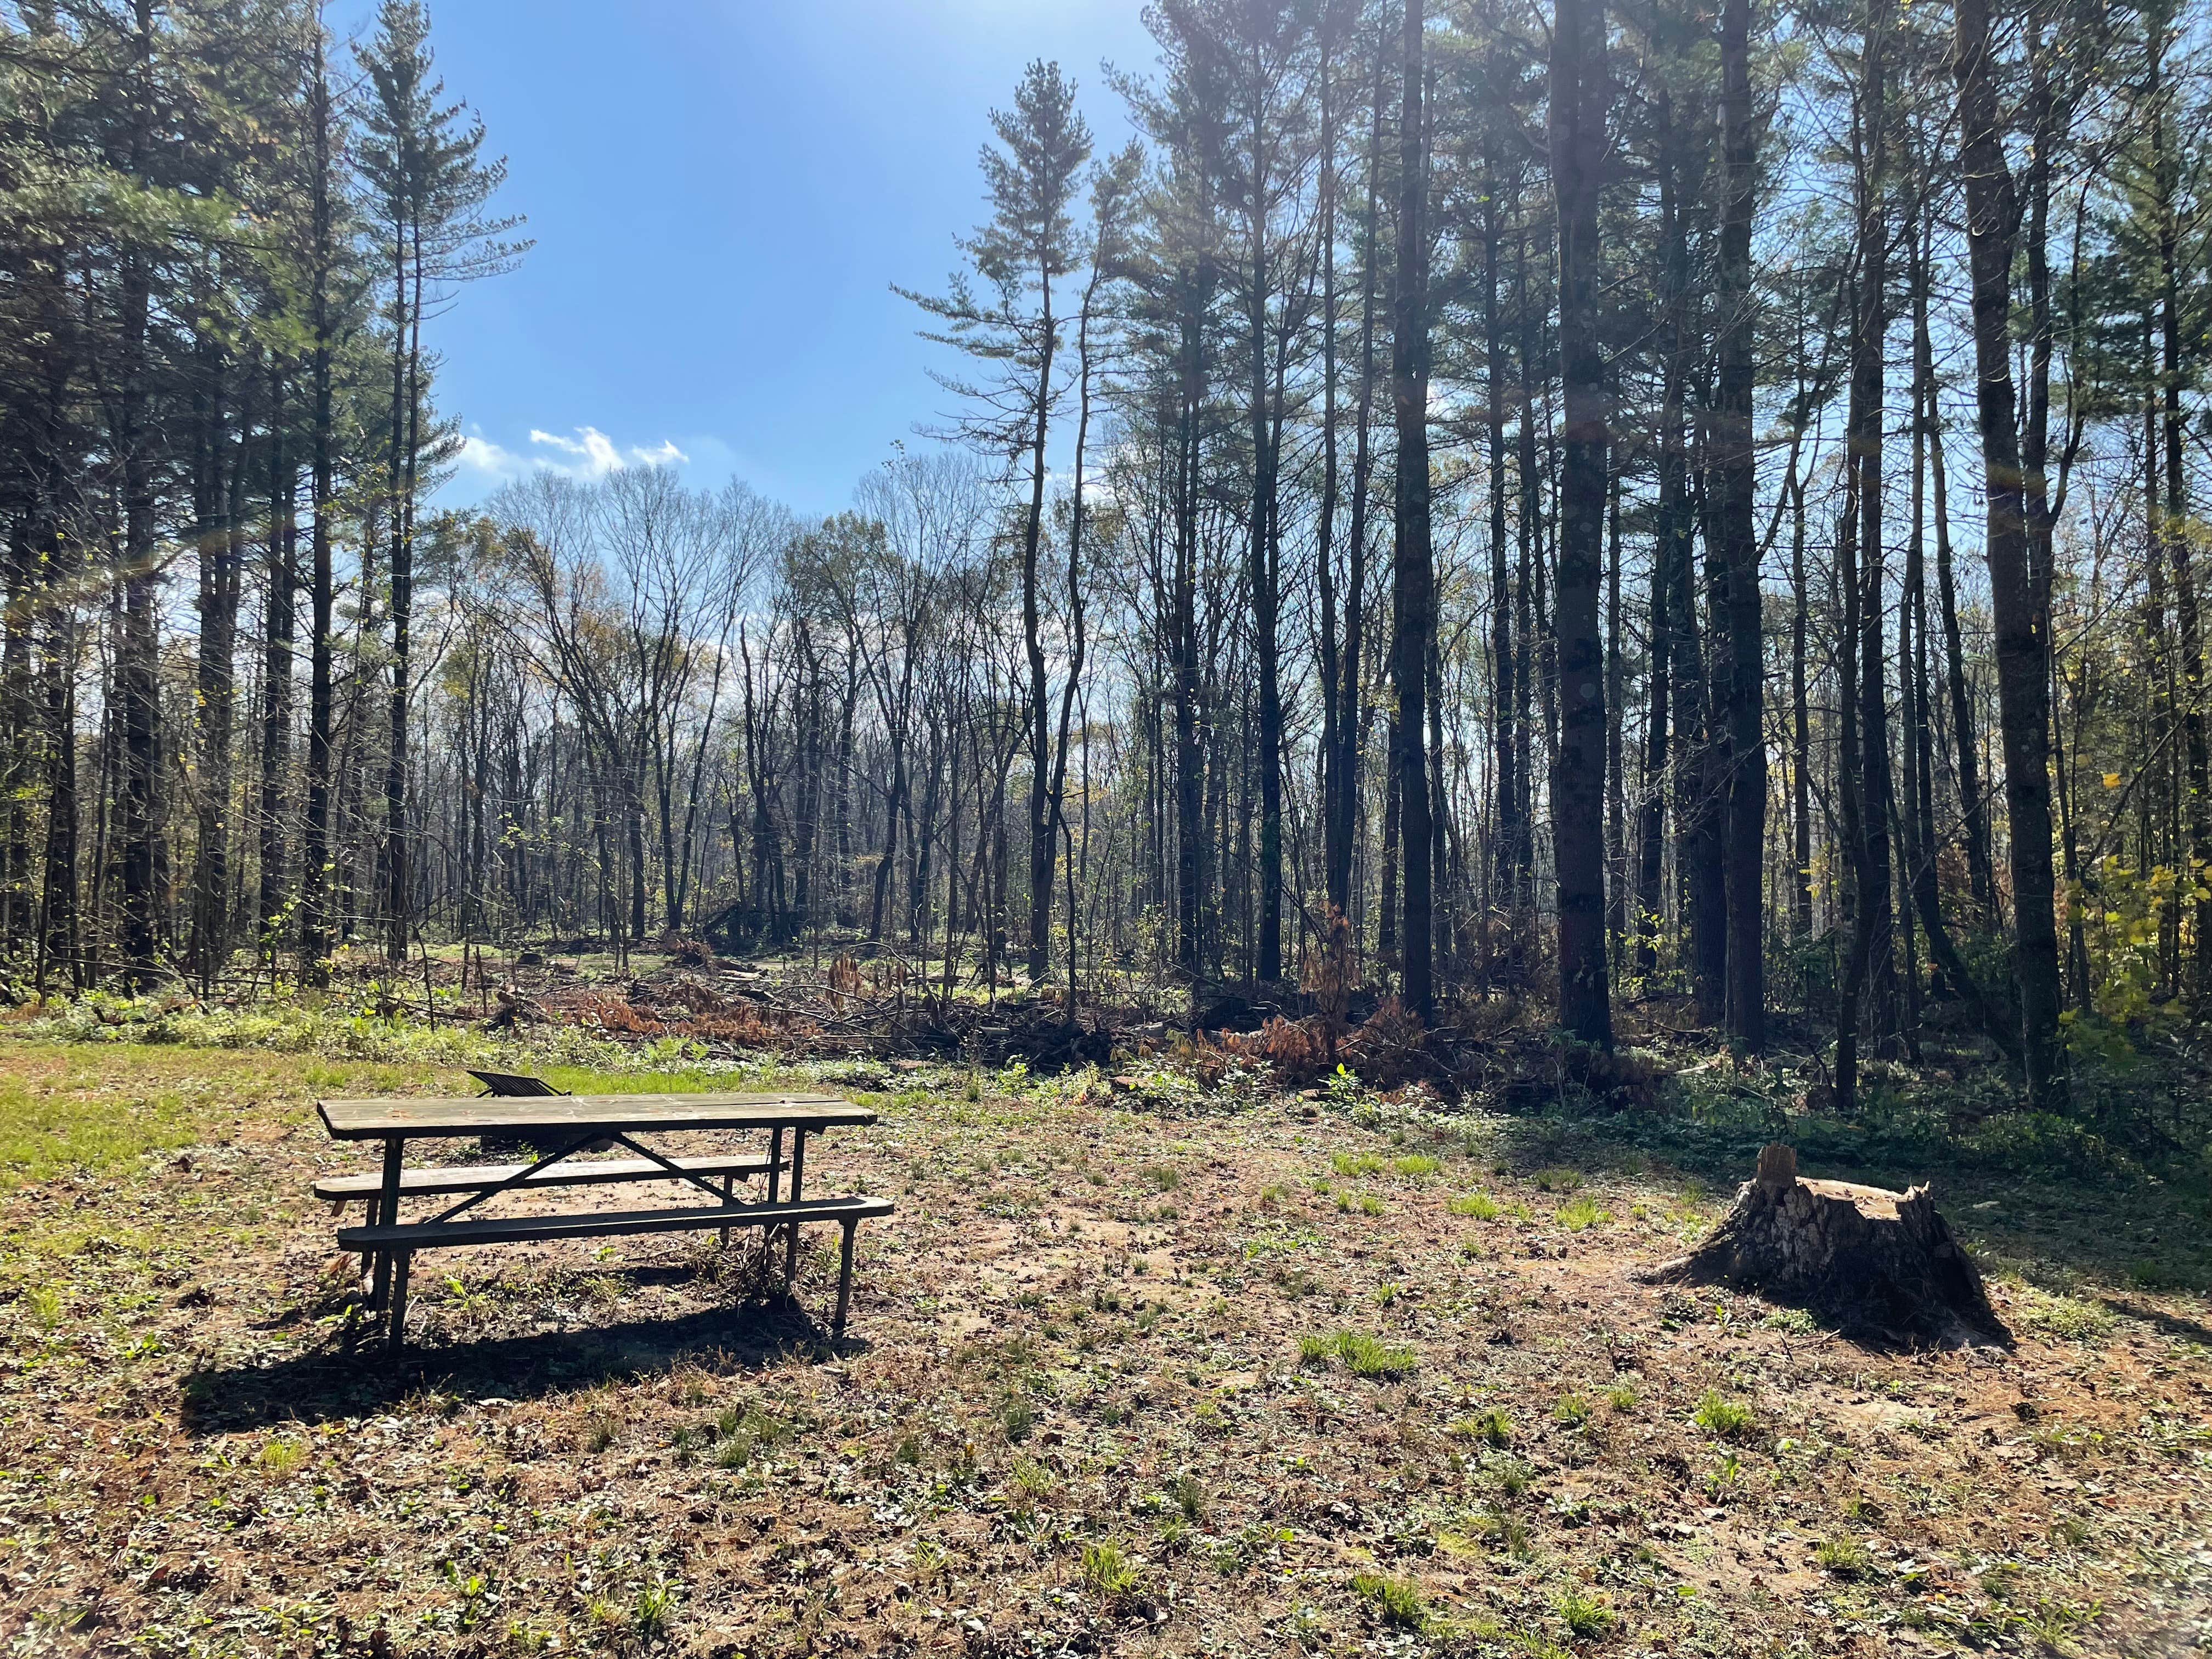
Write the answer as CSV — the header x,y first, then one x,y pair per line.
x,y
1110,1573
1586,1617
652,1611
1557,1180
2062,1318
1008,1423
1842,1555
67,1106
1362,1356
1398,1601
1509,1475
1493,1426
42,1305
1721,1416
71,1106
1508,1531
1577,1214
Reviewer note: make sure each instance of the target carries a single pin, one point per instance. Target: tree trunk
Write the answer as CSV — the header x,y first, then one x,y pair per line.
x,y
1736,467
2022,607
316,863
1577,136
1413,612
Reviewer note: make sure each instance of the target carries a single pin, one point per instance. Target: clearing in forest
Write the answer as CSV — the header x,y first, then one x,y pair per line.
x,y
1129,1373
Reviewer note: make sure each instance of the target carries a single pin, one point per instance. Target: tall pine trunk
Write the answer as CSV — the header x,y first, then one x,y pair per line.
x,y
1578,137
1414,614
2021,605
1737,469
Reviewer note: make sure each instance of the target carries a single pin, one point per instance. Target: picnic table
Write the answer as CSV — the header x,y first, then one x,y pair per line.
x,y
560,1127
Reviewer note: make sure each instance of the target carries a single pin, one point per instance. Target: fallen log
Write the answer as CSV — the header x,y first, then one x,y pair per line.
x,y
1871,1263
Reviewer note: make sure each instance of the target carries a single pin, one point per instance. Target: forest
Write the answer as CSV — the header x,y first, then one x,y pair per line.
x,y
1497,620
1648,517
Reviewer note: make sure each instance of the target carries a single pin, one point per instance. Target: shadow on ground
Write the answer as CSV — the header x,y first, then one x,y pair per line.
x,y
2142,1235
339,1380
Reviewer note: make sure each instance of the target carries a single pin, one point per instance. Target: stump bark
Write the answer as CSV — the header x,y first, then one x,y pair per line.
x,y
1874,1263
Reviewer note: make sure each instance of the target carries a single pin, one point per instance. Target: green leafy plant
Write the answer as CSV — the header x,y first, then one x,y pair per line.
x,y
1481,1206
1492,1425
1586,1616
1578,1214
1842,1555
1721,1417
1398,1601
652,1610
1372,1358
1110,1573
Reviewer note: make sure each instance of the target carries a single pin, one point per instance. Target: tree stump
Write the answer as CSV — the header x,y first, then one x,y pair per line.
x,y
1873,1263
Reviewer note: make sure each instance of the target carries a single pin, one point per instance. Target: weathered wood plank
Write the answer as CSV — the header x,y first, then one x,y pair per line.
x,y
372,1120
468,1178
604,1223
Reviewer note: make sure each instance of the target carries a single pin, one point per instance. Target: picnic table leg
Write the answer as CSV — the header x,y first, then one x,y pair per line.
x,y
798,1176
729,1187
844,1277
774,1161
386,1212
395,1333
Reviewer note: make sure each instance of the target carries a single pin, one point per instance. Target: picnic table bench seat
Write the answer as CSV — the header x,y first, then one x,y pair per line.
x,y
561,1127
401,1240
469,1177
604,1223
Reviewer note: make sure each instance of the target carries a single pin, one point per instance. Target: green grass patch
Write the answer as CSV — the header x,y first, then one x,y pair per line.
x,y
1577,1214
2062,1318
1362,1356
1492,1425
1481,1206
1586,1617
1725,1417
1398,1601
1842,1555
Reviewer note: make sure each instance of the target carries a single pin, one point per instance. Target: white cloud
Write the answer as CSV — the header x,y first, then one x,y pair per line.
x,y
480,454
589,454
592,454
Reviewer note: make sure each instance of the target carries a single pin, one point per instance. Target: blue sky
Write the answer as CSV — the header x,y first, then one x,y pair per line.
x,y
722,193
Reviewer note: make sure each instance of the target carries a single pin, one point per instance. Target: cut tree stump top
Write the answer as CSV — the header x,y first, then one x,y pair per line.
x,y
1874,1203
377,1119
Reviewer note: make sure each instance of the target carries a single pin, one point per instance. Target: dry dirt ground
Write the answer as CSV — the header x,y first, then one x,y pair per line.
x,y
1359,1380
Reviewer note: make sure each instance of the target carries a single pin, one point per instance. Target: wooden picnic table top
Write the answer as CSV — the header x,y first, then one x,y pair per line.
x,y
432,1116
